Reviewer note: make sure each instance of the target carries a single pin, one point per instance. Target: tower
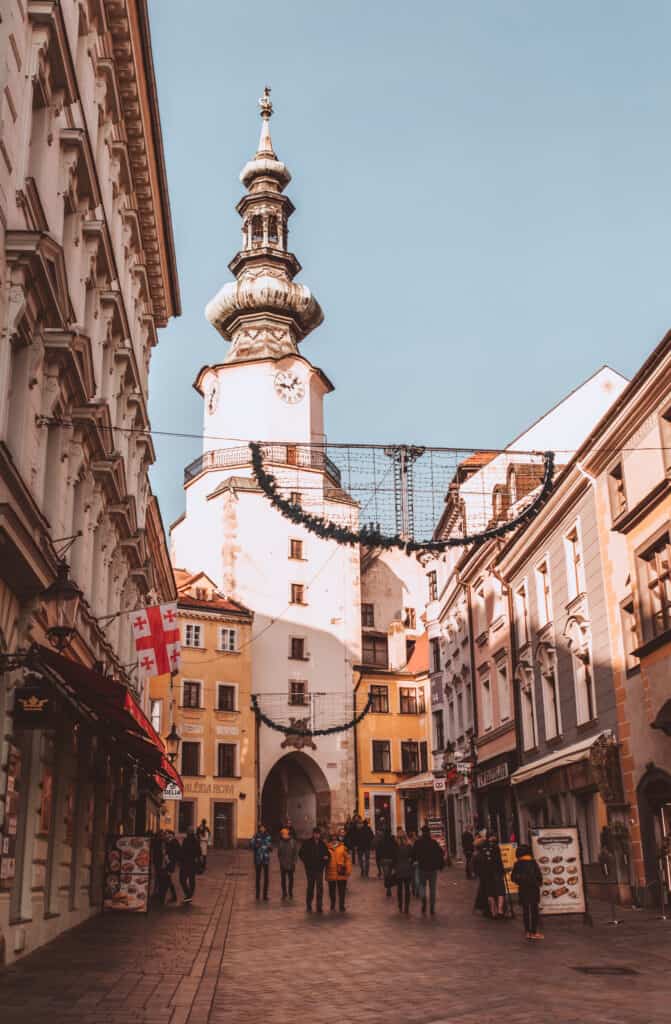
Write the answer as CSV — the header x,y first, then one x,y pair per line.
x,y
304,591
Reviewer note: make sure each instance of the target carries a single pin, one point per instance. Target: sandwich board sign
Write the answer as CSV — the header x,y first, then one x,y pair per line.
x,y
557,853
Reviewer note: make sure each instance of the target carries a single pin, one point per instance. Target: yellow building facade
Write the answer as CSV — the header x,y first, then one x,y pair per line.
x,y
210,704
394,780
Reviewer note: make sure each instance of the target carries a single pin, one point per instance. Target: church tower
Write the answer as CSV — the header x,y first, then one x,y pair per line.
x,y
303,591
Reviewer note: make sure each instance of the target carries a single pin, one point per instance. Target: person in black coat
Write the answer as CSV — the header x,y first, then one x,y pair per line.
x,y
388,853
489,869
527,876
429,856
189,859
468,845
364,837
315,856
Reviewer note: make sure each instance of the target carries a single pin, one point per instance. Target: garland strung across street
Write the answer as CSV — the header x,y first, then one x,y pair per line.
x,y
291,730
371,536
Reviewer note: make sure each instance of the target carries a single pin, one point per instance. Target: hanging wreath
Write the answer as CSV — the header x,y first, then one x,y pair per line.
x,y
291,730
370,536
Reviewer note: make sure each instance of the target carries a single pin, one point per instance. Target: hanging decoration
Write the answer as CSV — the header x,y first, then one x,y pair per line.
x,y
371,535
293,730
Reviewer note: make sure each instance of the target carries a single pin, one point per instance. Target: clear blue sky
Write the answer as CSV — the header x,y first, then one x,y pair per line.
x,y
483,196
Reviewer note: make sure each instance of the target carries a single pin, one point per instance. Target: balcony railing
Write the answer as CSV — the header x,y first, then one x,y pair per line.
x,y
301,456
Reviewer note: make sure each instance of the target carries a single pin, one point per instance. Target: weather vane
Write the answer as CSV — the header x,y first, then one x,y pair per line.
x,y
265,104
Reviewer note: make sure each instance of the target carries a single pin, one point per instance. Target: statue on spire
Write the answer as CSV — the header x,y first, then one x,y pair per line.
x,y
265,104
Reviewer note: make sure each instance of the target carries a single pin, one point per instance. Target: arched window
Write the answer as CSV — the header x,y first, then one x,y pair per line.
x,y
273,233
257,230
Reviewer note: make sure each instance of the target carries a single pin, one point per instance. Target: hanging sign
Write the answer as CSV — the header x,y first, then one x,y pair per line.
x,y
557,853
172,792
33,706
439,785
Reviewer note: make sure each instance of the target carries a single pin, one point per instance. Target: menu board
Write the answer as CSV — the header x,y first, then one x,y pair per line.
x,y
557,852
509,857
127,873
437,831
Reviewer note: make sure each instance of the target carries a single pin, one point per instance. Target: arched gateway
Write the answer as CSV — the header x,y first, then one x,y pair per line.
x,y
296,788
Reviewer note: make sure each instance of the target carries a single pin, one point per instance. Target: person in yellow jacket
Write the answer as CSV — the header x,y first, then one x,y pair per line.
x,y
338,869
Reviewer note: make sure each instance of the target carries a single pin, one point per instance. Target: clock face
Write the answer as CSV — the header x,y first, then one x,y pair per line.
x,y
212,396
289,387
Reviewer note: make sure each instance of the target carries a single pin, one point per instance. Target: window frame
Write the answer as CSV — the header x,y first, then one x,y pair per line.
x,y
152,703
236,690
438,728
521,591
432,583
617,490
632,663
487,702
574,560
644,557
235,747
191,743
292,696
544,591
501,671
297,594
411,700
367,607
436,657
298,640
192,682
377,743
375,639
292,555
410,747
233,630
382,696
194,626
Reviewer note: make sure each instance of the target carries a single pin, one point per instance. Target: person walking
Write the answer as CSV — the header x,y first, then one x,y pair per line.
x,y
287,853
363,843
404,871
388,853
288,824
203,835
414,882
163,867
468,845
377,843
429,856
490,871
262,845
526,874
338,870
315,856
189,857
350,835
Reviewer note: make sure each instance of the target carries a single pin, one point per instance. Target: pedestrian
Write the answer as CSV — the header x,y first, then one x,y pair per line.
x,y
315,856
363,842
527,876
467,845
429,856
203,833
288,824
287,852
338,869
161,862
262,845
189,858
489,869
404,869
173,851
414,882
379,837
350,836
388,853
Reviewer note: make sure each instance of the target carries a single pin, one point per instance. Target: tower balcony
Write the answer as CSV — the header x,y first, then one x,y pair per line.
x,y
293,456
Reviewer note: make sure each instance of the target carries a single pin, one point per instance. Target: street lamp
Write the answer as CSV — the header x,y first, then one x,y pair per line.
x,y
66,596
172,742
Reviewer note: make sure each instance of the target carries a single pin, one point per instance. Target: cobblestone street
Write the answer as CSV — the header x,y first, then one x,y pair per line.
x,y
228,959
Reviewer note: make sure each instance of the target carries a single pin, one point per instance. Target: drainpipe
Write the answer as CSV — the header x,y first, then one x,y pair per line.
x,y
257,769
356,748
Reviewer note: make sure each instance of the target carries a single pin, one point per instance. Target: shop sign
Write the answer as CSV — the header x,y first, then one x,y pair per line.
x,y
509,856
172,792
557,852
488,776
33,706
127,873
203,788
437,830
439,785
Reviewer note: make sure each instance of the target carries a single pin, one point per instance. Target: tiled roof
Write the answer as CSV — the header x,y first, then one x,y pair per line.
x,y
217,604
477,459
419,659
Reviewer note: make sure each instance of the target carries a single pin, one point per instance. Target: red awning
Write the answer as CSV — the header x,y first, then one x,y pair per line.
x,y
167,769
112,702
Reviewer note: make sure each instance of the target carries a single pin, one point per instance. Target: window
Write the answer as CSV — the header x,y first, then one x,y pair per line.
x,y
584,691
460,713
665,427
296,549
381,756
543,593
273,235
616,491
298,693
201,594
438,730
629,634
657,584
432,578
487,712
187,815
410,757
367,615
156,714
423,756
257,230
297,593
479,610
374,651
226,760
411,700
190,694
295,498
574,568
522,615
435,654
380,699
190,758
503,690
292,454
468,705
409,618
297,648
450,720
226,697
528,715
193,635
551,704
228,640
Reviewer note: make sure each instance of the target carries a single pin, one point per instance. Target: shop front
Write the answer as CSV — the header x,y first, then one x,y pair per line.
x,y
419,801
495,804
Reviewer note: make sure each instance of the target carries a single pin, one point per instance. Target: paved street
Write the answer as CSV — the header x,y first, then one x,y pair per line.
x,y
229,960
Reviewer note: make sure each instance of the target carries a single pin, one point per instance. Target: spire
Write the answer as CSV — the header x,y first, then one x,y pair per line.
x,y
264,313
266,111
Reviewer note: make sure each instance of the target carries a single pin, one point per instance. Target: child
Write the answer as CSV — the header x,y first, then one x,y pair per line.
x,y
527,875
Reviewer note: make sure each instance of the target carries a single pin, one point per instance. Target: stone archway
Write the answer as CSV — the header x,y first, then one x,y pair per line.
x,y
654,808
296,788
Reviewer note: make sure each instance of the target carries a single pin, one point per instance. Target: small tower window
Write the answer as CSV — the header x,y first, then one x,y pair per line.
x,y
273,233
257,230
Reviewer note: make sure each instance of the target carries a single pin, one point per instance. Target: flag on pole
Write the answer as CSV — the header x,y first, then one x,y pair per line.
x,y
157,639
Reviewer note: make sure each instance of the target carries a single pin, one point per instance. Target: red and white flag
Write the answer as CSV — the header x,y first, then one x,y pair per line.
x,y
157,643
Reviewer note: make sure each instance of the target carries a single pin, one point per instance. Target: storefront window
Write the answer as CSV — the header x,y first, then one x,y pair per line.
x,y
187,815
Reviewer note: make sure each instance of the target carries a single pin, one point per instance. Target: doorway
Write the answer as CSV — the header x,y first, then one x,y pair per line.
x,y
411,815
296,789
382,812
223,826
